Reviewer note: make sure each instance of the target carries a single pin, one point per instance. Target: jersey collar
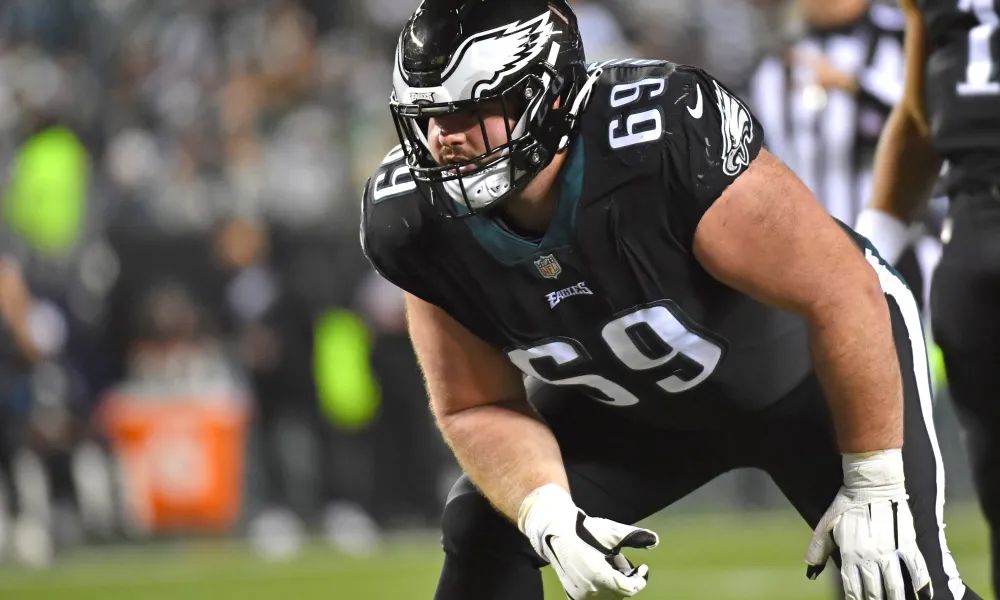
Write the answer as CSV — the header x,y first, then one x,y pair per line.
x,y
510,248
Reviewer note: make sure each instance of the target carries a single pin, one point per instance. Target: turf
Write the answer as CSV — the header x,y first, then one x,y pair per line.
x,y
728,555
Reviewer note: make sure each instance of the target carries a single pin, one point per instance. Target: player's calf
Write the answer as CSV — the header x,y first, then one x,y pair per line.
x,y
486,557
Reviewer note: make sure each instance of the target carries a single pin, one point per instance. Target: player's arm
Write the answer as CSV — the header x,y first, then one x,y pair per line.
x,y
757,228
767,236
479,404
906,165
477,396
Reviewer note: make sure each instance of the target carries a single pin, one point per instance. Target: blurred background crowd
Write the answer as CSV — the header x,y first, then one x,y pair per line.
x,y
191,341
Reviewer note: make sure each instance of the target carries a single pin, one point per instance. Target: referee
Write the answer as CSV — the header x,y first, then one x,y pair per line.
x,y
950,114
824,98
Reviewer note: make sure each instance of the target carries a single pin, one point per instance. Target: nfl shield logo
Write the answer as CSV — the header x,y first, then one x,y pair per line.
x,y
548,266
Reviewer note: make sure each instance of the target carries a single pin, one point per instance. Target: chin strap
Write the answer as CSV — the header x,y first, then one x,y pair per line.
x,y
579,103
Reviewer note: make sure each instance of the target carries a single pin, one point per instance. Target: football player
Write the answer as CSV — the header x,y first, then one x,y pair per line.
x,y
678,302
951,112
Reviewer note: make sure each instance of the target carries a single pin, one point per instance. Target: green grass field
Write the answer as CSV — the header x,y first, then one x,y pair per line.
x,y
726,555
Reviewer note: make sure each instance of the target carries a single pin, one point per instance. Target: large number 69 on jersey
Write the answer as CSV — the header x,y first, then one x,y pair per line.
x,y
651,337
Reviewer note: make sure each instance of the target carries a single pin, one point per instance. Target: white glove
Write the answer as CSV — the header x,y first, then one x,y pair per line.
x,y
583,550
870,522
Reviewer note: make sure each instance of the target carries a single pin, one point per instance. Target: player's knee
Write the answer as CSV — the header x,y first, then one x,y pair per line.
x,y
470,526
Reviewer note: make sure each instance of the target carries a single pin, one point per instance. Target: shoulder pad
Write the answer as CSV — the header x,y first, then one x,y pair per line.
x,y
634,104
392,212
392,180
638,107
673,125
640,100
626,69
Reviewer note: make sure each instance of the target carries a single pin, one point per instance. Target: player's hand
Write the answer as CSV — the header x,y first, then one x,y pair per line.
x,y
584,550
870,522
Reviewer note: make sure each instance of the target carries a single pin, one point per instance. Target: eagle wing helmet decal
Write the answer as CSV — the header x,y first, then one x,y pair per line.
x,y
501,51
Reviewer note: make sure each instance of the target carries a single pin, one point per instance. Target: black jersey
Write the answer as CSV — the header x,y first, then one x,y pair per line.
x,y
611,298
963,77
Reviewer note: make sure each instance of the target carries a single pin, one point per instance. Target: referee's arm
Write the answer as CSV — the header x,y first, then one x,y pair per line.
x,y
906,165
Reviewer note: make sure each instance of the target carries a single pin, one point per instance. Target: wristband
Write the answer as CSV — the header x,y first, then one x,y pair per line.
x,y
873,469
888,234
541,506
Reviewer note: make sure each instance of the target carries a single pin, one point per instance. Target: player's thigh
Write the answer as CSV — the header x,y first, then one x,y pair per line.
x,y
609,476
964,298
795,443
966,287
619,468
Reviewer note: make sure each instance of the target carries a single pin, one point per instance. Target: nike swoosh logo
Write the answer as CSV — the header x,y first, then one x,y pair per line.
x,y
698,105
548,542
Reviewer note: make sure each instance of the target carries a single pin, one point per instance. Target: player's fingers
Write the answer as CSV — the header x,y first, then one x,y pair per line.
x,y
639,538
926,592
920,577
614,535
621,564
892,580
851,579
871,579
820,547
630,585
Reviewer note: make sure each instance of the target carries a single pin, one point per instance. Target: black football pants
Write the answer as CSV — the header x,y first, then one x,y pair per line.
x,y
965,312
627,471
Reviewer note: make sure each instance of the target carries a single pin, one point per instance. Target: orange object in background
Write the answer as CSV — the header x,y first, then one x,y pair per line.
x,y
182,459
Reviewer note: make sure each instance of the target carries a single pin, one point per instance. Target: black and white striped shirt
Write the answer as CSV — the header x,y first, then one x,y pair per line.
x,y
828,136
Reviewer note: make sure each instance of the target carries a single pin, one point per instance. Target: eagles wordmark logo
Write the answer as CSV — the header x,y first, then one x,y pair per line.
x,y
579,289
416,97
737,131
548,266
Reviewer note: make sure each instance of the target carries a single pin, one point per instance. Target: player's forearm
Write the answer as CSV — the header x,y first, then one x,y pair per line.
x,y
506,450
855,357
906,166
